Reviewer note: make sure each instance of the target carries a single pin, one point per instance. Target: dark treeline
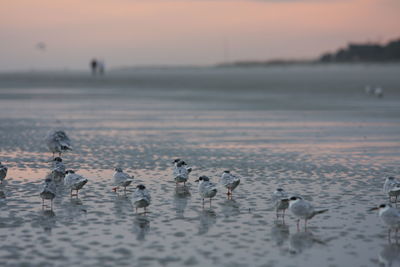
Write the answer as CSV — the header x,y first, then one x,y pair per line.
x,y
365,53
368,52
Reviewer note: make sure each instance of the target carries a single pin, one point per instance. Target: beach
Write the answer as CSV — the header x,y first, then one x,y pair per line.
x,y
309,129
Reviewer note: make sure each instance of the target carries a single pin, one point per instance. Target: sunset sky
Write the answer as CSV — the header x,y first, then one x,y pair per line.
x,y
169,32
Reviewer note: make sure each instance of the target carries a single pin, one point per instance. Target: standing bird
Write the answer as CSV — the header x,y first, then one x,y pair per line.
x,y
394,192
48,191
281,201
121,179
3,172
74,181
392,188
206,188
181,171
58,170
303,210
141,197
378,91
58,142
230,181
389,216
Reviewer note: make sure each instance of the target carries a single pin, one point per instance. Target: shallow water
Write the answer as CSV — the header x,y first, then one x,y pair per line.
x,y
335,153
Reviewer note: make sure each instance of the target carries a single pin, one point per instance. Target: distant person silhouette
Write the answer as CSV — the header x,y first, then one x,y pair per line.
x,y
101,67
93,66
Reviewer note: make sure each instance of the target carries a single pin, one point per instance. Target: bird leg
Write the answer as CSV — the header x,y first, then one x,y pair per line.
x,y
51,205
74,194
115,189
203,203
298,225
305,225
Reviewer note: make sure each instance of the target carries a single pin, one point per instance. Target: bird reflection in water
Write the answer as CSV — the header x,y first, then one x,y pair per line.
x,y
301,241
280,232
181,198
207,218
122,205
2,195
141,226
230,207
390,255
47,220
74,208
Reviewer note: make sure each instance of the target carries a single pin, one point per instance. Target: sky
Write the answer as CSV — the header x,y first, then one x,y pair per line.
x,y
184,32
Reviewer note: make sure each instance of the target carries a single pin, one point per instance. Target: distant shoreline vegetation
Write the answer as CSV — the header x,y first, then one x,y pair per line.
x,y
353,53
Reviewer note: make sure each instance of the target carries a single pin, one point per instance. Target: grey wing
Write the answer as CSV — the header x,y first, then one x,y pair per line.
x,y
49,187
72,179
211,186
146,194
62,138
302,209
52,188
176,171
67,180
141,195
137,195
59,167
119,178
389,185
51,143
225,179
183,171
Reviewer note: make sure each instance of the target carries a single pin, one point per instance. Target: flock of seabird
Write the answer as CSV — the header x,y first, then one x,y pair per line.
x,y
374,91
389,215
59,142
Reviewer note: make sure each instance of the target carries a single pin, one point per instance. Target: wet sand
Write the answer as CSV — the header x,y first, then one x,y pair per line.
x,y
310,130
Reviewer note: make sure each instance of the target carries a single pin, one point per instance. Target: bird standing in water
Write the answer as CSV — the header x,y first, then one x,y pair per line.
x,y
390,217
121,179
58,170
206,188
303,210
229,181
281,201
141,198
48,191
392,188
58,142
181,171
74,181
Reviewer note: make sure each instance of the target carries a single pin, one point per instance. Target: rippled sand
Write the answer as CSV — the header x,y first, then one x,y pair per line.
x,y
319,137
